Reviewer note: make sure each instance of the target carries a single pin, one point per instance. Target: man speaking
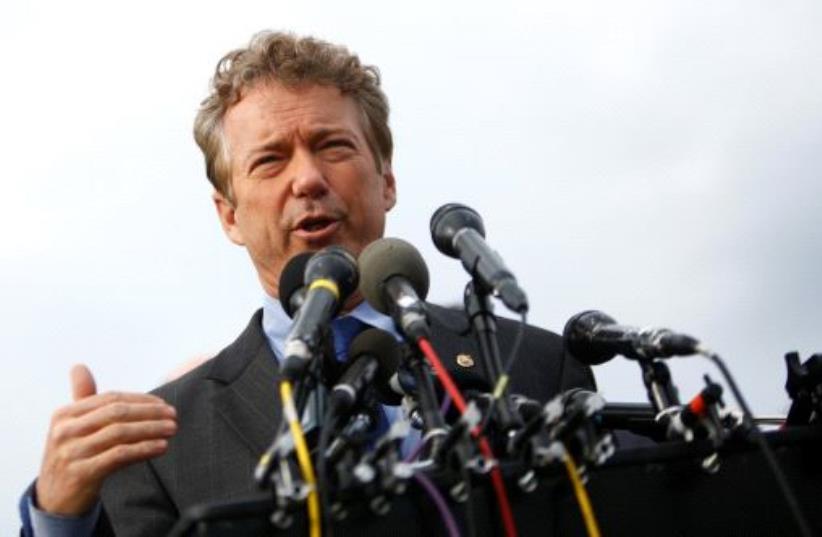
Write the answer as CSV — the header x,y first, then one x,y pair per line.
x,y
298,149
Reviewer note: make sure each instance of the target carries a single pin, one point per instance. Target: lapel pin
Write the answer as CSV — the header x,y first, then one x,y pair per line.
x,y
465,360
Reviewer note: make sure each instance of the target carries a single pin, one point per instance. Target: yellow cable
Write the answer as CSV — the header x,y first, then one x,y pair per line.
x,y
502,383
582,497
303,457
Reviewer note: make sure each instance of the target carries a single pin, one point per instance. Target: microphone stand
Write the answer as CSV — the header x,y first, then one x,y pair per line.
x,y
280,473
662,392
480,310
278,470
433,422
657,379
312,402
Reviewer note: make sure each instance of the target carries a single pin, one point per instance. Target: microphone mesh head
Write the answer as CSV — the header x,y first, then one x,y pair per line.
x,y
381,345
385,258
448,220
578,337
292,280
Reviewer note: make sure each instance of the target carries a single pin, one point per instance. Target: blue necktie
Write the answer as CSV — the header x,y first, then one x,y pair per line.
x,y
345,330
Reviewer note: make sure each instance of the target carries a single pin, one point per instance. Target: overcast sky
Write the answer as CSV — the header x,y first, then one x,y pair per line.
x,y
656,160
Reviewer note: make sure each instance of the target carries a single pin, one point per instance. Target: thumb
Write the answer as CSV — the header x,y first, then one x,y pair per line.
x,y
82,383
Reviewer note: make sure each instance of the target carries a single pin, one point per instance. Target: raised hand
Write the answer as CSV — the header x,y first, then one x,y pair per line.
x,y
94,436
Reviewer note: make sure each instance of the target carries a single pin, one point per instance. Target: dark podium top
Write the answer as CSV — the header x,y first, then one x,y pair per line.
x,y
659,491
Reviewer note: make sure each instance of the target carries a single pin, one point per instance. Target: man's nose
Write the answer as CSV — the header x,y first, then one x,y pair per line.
x,y
307,178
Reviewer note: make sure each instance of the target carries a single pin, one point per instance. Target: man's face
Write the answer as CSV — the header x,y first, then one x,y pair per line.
x,y
303,176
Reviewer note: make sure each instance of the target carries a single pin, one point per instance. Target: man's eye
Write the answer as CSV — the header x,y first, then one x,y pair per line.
x,y
336,143
266,160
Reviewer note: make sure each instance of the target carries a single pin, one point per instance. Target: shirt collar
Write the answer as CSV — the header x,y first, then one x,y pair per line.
x,y
277,323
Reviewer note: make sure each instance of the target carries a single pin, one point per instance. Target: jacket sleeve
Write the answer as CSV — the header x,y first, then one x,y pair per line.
x,y
36,523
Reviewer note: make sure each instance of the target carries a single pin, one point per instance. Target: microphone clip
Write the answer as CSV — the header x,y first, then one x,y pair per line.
x,y
569,422
703,418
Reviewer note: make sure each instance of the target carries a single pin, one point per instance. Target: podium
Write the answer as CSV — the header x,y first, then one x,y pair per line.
x,y
653,491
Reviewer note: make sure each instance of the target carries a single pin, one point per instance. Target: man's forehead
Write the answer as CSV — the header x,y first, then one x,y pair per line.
x,y
272,106
271,114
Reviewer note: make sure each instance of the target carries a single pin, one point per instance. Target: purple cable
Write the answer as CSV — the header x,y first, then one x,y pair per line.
x,y
439,501
446,403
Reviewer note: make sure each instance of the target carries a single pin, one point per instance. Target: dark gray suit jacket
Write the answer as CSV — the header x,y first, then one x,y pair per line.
x,y
228,412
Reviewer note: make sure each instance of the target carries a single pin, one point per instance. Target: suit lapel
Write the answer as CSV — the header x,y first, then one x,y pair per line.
x,y
248,403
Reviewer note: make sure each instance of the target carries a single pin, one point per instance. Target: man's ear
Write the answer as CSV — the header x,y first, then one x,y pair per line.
x,y
390,187
226,213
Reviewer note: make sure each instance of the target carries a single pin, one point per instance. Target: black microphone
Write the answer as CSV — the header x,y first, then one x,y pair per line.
x,y
594,338
331,276
292,290
395,282
352,435
292,283
458,232
373,359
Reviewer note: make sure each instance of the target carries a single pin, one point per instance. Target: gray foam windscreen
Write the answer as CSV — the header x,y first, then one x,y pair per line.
x,y
385,258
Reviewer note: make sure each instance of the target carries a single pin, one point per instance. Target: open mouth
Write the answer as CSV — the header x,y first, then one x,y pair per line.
x,y
316,228
315,224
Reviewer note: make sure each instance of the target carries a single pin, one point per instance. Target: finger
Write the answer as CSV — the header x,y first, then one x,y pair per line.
x,y
114,458
82,382
112,413
120,434
94,402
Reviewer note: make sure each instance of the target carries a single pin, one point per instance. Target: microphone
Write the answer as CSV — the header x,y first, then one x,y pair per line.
x,y
458,232
331,276
292,283
374,357
594,338
395,282
353,434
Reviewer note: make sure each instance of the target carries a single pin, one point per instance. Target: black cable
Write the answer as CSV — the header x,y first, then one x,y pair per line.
x,y
512,356
329,424
266,467
301,391
509,365
781,480
470,511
